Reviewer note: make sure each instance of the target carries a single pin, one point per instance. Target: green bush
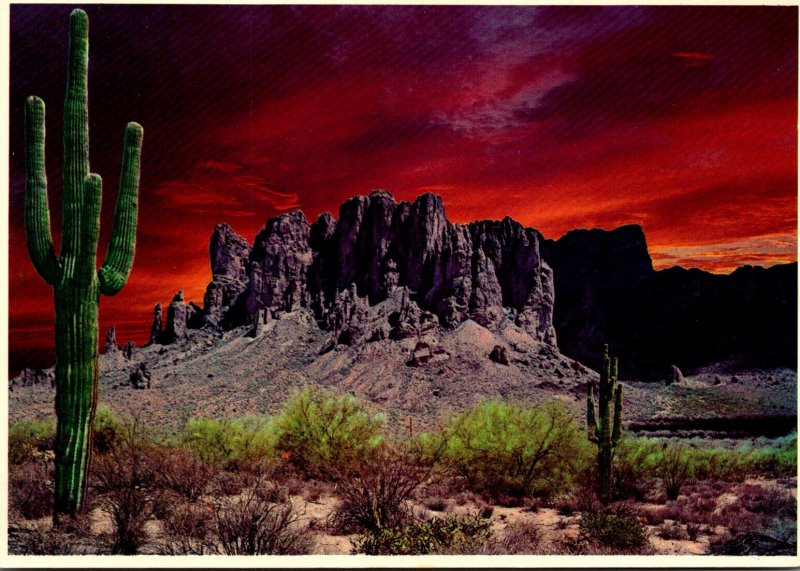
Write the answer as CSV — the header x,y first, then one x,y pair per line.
x,y
634,464
320,431
29,436
504,449
639,460
451,535
616,526
230,443
107,429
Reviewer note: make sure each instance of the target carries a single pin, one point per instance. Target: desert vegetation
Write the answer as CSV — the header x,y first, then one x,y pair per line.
x,y
327,475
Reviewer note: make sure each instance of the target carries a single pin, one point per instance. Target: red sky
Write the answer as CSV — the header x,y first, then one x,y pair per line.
x,y
681,119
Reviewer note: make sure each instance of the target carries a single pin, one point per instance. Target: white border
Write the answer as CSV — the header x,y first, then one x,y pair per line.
x,y
299,561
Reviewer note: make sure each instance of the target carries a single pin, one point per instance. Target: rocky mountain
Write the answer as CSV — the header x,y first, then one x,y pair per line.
x,y
433,272
607,291
588,288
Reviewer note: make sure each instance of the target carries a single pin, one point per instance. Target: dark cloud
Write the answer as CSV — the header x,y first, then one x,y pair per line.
x,y
641,73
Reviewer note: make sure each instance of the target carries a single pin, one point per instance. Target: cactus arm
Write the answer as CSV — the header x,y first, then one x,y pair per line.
x,y
615,371
92,200
37,209
617,433
591,419
119,259
76,137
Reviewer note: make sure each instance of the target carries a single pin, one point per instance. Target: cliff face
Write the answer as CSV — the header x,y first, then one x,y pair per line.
x,y
607,291
396,270
433,271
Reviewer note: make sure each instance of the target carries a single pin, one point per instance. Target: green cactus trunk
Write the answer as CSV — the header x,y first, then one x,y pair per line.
x,y
607,432
76,392
76,282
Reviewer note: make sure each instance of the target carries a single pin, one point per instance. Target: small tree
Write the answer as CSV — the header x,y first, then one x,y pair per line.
x,y
507,450
320,431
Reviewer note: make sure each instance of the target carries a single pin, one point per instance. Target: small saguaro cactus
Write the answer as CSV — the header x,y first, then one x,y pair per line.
x,y
76,282
607,433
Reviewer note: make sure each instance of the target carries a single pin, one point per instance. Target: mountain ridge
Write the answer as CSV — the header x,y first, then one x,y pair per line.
x,y
587,288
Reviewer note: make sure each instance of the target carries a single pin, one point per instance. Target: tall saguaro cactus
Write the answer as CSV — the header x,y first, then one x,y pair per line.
x,y
607,433
77,284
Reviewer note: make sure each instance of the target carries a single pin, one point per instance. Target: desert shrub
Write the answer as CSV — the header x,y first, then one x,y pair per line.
x,y
253,525
451,535
693,530
259,521
187,529
585,491
672,530
228,483
504,449
633,468
674,470
617,526
124,481
566,506
778,460
30,488
230,443
783,529
374,492
718,464
771,500
736,520
183,471
27,437
107,430
523,538
39,540
320,430
641,458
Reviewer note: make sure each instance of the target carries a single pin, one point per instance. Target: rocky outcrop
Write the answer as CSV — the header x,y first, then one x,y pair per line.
x,y
178,316
353,321
490,272
111,341
384,269
140,377
155,328
33,377
127,351
608,292
230,269
499,355
279,264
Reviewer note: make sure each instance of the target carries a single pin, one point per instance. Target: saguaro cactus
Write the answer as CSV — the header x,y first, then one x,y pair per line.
x,y
607,433
77,284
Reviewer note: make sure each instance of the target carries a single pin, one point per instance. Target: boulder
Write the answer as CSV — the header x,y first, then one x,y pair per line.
x,y
499,355
140,377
